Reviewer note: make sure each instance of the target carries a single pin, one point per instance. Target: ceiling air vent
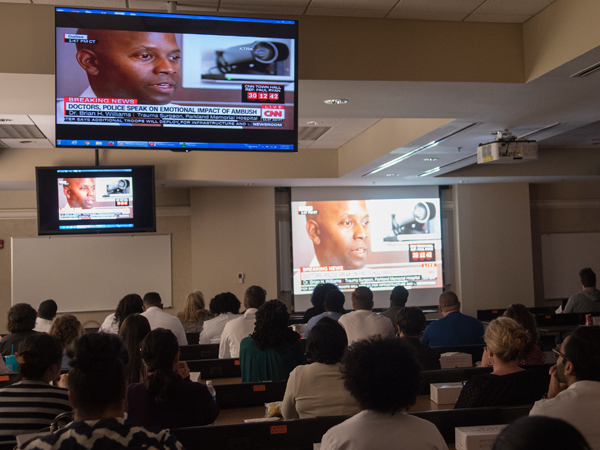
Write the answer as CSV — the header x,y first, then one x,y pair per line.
x,y
20,132
587,71
311,133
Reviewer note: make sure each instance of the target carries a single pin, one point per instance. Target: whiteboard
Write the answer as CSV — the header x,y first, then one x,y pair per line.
x,y
563,256
90,273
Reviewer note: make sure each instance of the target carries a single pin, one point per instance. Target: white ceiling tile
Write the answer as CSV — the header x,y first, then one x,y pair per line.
x,y
511,7
83,3
322,121
46,124
362,124
418,15
498,18
15,1
438,6
257,9
278,3
340,134
328,144
144,5
339,12
304,144
354,4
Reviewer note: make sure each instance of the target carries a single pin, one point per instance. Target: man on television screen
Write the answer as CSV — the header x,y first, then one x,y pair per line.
x,y
80,192
339,231
130,64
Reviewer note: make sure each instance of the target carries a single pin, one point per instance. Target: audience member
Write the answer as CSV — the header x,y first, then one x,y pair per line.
x,y
533,353
398,299
224,307
540,433
455,328
273,350
237,329
130,304
165,399
363,322
33,403
574,391
66,328
383,375
194,313
318,300
317,389
97,392
21,320
334,309
45,313
410,321
153,311
587,300
508,384
132,332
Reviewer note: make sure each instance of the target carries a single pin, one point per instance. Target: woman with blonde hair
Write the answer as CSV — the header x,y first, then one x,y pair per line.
x,y
194,313
66,328
508,384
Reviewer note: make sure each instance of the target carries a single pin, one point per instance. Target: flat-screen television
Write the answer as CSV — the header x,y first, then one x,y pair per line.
x,y
378,238
173,81
91,200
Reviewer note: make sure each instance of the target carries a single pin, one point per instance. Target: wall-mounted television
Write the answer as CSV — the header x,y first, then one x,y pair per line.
x,y
142,80
91,200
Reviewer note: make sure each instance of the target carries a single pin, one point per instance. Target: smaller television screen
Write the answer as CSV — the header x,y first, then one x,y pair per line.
x,y
80,200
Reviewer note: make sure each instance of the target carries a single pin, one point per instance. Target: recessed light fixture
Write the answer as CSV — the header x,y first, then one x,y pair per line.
x,y
26,142
336,101
5,120
464,181
249,184
430,159
392,174
313,122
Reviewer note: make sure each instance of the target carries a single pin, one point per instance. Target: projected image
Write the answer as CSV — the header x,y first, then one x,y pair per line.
x,y
100,198
374,243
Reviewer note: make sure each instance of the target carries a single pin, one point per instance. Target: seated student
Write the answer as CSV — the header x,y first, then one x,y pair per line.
x,y
33,403
46,313
130,304
508,384
66,328
194,313
164,399
383,375
334,309
317,389
132,332
318,300
411,321
97,391
273,350
21,320
224,307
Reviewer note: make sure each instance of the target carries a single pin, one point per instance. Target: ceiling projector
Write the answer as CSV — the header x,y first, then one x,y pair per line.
x,y
506,149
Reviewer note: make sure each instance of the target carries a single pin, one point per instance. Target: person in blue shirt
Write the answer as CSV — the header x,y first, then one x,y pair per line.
x,y
334,309
454,328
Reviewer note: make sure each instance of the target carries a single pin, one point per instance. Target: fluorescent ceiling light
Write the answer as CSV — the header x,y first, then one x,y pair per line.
x,y
437,169
539,130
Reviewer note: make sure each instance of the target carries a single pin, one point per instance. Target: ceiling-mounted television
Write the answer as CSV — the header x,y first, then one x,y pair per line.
x,y
140,80
91,200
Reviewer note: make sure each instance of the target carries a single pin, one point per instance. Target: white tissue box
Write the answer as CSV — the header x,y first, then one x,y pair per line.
x,y
445,393
452,360
476,438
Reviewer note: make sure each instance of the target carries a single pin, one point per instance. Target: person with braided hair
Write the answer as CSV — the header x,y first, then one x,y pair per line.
x,y
508,384
165,399
273,350
32,404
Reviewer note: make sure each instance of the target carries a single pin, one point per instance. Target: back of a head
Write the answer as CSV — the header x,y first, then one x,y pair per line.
x,y
66,328
582,348
588,277
21,317
133,330
271,326
47,309
521,314
449,302
194,307
152,299
320,292
130,304
37,353
254,297
334,301
411,321
540,433
223,303
399,296
159,349
97,375
362,298
506,339
382,374
326,342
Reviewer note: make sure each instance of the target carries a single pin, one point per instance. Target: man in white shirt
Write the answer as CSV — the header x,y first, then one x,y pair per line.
x,y
574,392
225,307
45,314
159,319
363,322
237,329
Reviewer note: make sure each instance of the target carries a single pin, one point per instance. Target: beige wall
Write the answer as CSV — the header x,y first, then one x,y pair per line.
x,y
233,231
493,245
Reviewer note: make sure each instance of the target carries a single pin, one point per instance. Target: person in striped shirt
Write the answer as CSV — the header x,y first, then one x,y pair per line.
x,y
33,403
